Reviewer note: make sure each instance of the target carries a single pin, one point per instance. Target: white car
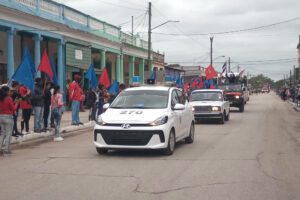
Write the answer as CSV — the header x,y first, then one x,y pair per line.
x,y
147,117
210,104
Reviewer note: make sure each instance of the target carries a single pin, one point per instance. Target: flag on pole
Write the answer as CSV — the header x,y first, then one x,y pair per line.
x,y
242,72
104,79
53,70
29,60
210,72
224,67
153,75
91,75
186,87
114,88
201,85
24,73
45,66
195,83
179,82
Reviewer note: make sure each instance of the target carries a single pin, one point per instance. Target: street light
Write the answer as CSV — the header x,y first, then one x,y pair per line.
x,y
219,57
174,21
150,33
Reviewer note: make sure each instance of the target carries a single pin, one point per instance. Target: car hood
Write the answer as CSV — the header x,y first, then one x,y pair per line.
x,y
206,103
137,116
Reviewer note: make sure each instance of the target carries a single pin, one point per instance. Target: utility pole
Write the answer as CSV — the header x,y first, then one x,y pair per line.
x,y
238,68
132,27
229,65
149,37
290,78
211,49
294,77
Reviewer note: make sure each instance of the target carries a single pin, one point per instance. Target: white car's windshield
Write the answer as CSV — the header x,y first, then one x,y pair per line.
x,y
206,96
147,99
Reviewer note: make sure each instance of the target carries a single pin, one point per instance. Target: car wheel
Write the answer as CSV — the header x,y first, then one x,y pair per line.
x,y
190,138
222,119
101,150
241,108
227,116
171,144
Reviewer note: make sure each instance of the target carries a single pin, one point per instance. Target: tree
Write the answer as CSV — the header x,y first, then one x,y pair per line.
x,y
260,81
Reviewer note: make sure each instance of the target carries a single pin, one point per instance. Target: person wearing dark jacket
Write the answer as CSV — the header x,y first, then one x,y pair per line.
x,y
47,104
15,95
37,102
231,78
92,103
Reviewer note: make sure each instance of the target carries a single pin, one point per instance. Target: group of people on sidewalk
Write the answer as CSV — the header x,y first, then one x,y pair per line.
x,y
44,102
47,105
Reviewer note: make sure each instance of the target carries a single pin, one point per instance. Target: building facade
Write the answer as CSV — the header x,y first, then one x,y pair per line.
x,y
72,39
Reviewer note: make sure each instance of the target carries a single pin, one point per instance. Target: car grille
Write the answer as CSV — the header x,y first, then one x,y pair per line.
x,y
230,97
202,108
128,137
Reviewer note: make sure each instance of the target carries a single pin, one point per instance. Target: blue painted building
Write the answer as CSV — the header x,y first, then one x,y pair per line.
x,y
73,39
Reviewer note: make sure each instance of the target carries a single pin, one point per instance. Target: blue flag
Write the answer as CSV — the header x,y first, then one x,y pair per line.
x,y
24,73
179,82
114,88
53,70
27,55
91,75
153,75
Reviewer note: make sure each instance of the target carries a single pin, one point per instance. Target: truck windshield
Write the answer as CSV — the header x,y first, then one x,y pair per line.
x,y
144,99
206,96
231,88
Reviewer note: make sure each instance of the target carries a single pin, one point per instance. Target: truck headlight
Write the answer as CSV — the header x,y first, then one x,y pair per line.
x,y
100,121
237,97
160,121
216,108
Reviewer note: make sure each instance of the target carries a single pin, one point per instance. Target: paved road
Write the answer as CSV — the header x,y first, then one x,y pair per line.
x,y
254,156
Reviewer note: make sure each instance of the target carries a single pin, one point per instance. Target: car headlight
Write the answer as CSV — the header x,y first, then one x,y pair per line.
x,y
100,121
193,109
160,121
237,97
216,108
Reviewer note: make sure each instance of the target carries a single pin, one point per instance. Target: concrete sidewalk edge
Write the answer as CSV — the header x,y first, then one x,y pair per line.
x,y
294,106
31,136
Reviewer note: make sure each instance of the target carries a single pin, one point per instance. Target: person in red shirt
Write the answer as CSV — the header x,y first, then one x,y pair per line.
x,y
25,105
74,97
7,109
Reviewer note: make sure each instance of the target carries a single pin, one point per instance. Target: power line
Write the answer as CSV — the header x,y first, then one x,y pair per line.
x,y
233,31
135,17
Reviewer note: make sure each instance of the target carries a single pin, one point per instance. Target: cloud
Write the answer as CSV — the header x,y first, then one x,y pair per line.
x,y
211,16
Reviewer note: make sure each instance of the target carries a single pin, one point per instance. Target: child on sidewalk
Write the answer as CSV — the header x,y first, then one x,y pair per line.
x,y
56,109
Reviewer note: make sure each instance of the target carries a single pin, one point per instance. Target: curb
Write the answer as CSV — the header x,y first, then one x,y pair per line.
x,y
296,108
32,136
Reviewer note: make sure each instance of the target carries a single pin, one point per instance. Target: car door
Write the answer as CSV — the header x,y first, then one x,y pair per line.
x,y
226,104
177,114
183,113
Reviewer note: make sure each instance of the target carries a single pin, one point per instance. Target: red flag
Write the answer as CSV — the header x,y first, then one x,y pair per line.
x,y
104,79
186,87
212,87
195,83
45,66
241,73
201,85
210,72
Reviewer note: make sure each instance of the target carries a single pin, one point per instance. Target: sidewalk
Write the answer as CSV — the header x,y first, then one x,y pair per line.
x,y
297,108
65,126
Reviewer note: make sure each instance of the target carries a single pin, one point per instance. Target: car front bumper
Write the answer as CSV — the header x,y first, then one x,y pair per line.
x,y
212,115
150,137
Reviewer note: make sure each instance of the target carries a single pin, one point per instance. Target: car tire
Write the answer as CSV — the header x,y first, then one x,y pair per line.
x,y
171,144
190,138
241,108
227,117
222,119
101,151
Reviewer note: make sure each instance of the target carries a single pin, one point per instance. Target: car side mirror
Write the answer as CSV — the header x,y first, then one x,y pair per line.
x,y
105,106
178,106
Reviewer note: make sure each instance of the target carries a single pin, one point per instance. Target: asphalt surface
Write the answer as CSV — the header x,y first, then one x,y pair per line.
x,y
256,155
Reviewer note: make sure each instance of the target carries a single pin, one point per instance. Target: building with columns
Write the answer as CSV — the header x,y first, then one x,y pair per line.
x,y
73,40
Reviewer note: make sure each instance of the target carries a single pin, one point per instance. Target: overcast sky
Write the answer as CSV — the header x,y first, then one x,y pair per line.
x,y
210,16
